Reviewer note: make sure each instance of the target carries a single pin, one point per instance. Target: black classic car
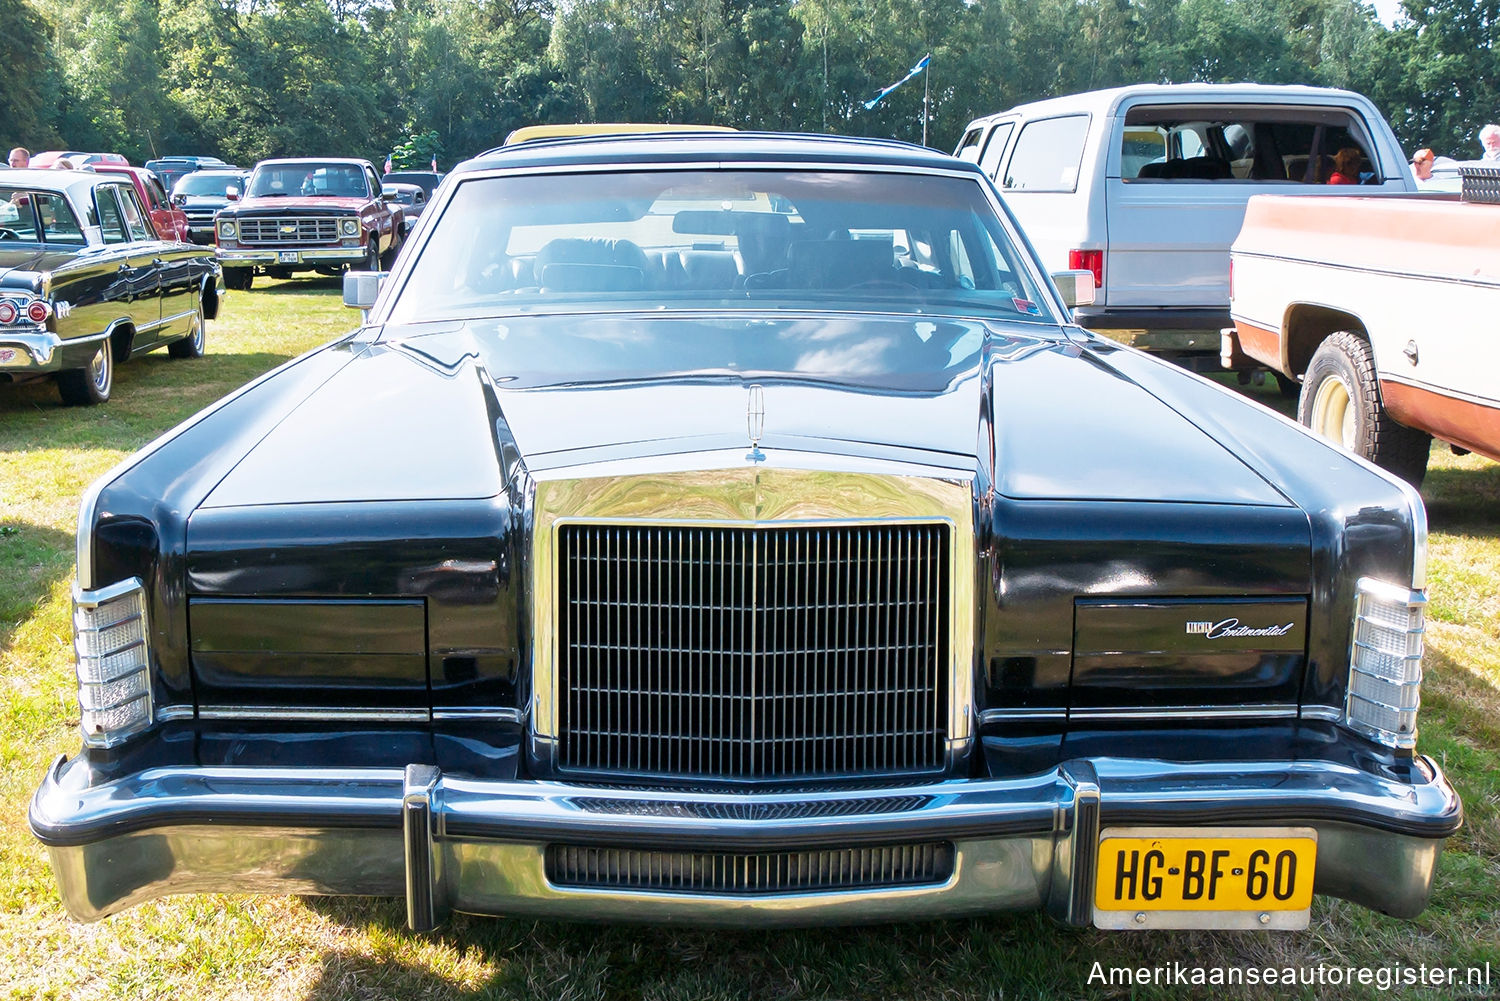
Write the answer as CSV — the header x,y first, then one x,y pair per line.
x,y
735,529
85,282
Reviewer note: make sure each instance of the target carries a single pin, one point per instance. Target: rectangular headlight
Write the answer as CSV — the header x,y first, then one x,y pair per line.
x,y
111,640
1385,663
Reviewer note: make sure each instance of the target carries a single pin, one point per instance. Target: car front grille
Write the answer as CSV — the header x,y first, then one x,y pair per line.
x,y
752,653
294,229
750,873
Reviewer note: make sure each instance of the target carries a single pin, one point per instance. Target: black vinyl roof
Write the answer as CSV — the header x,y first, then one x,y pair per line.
x,y
710,147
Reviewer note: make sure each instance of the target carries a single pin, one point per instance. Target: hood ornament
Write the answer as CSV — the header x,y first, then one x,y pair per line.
x,y
755,422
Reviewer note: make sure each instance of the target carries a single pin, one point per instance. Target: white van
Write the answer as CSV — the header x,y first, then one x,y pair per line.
x,y
1146,187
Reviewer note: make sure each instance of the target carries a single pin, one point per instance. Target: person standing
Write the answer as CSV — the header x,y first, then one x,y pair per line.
x,y
20,157
1489,138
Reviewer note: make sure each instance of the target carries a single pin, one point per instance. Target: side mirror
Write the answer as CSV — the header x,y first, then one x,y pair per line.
x,y
361,289
232,193
387,196
1075,287
179,199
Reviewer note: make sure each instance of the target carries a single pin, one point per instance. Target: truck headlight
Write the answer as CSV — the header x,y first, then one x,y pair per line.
x,y
1385,663
226,230
111,640
349,227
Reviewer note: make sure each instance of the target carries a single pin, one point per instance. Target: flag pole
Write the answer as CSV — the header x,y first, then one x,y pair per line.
x,y
926,78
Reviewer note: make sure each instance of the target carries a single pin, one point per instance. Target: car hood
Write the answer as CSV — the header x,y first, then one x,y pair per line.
x,y
434,411
298,203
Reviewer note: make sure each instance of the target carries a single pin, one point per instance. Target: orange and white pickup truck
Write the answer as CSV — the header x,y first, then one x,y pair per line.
x,y
1385,309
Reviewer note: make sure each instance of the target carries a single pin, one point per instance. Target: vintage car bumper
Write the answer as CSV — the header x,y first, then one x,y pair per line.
x,y
275,256
39,351
449,842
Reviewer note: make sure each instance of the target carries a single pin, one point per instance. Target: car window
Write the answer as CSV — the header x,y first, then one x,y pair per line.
x,y
59,224
1048,154
154,192
994,148
968,146
890,241
135,219
1227,144
111,223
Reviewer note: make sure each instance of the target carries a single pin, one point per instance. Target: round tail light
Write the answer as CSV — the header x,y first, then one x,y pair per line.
x,y
37,312
7,312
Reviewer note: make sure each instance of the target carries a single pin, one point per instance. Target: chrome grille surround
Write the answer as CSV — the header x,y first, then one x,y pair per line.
x,y
812,870
304,229
739,497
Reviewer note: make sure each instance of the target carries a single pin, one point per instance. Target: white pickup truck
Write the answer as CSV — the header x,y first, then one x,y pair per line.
x,y
1146,187
1385,308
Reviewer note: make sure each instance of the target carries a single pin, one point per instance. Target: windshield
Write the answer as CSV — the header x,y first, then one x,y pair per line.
x,y
858,239
339,180
207,184
37,217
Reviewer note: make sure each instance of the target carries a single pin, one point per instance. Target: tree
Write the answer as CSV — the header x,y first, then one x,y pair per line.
x,y
32,83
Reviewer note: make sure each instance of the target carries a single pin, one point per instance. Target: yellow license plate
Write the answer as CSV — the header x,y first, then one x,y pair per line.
x,y
1213,877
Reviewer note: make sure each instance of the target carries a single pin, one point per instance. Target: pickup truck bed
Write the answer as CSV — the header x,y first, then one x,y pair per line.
x,y
1414,283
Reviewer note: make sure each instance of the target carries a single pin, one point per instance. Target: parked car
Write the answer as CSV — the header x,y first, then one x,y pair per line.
x,y
1146,186
51,156
202,193
86,283
312,214
410,197
171,169
1373,305
167,219
751,539
427,180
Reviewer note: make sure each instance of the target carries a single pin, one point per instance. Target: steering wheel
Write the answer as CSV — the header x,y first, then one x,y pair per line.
x,y
9,234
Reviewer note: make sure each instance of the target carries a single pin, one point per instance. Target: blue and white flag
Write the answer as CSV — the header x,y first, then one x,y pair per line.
x,y
921,65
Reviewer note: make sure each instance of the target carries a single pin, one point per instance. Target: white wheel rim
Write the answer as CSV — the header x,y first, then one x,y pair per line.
x,y
198,333
99,369
1333,414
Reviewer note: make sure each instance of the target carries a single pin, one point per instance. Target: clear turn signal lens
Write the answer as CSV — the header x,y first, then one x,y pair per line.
x,y
111,640
1385,663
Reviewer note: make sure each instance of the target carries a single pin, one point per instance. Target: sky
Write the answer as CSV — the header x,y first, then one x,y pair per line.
x,y
1387,10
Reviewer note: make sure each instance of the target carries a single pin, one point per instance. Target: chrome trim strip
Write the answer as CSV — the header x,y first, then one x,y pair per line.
x,y
762,495
1021,713
167,714
1270,710
1331,713
315,714
499,714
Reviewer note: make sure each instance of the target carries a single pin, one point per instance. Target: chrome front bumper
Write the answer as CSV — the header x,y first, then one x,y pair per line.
x,y
272,257
452,843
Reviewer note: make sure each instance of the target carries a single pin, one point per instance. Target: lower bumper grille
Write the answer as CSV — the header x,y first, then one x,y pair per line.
x,y
752,653
750,873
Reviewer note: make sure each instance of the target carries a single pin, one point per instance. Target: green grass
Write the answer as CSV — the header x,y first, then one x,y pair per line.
x,y
210,946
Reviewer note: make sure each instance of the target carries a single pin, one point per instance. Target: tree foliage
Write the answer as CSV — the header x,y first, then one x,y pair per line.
x,y
246,79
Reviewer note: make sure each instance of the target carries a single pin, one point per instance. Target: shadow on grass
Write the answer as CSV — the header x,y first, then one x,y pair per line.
x,y
322,285
33,558
1463,500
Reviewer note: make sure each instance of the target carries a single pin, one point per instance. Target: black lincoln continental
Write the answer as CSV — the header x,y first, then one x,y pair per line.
x,y
735,529
85,282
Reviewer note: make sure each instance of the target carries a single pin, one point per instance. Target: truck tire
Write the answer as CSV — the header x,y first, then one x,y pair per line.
x,y
372,258
389,257
239,279
85,387
1341,402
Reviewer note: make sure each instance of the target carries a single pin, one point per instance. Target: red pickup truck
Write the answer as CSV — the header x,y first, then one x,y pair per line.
x,y
312,214
170,221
